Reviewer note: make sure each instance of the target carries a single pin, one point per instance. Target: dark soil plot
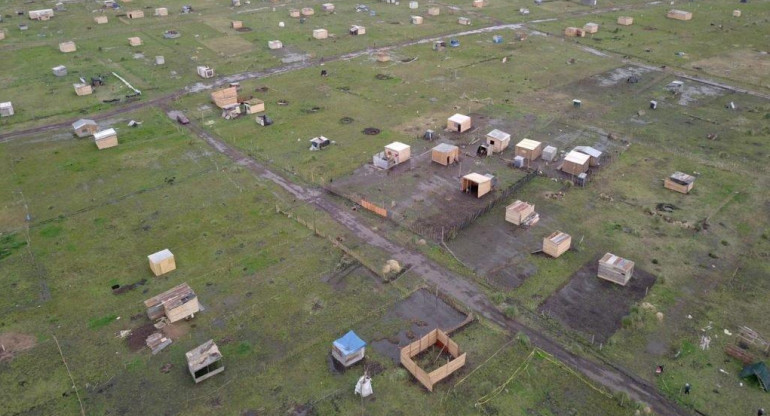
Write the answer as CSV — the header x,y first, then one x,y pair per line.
x,y
416,315
138,338
595,306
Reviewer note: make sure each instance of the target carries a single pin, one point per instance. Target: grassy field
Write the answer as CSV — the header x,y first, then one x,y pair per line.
x,y
75,221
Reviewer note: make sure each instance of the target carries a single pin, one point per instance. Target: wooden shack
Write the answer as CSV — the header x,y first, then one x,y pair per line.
x,y
595,155
529,149
307,11
85,127
458,123
464,21
556,243
680,182
274,44
497,140
6,109
625,20
253,106
43,14
2,33
348,349
59,70
434,337
135,14
615,269
393,154
736,13
162,262
327,7
294,13
105,139
574,32
225,98
320,33
100,20
590,27
177,303
83,89
205,72
445,154
416,20
575,163
356,30
679,14
204,361
135,41
434,11
161,11
479,3
67,47
236,24
476,184
519,212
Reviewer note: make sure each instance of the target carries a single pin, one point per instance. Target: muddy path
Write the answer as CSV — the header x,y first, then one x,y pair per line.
x,y
600,371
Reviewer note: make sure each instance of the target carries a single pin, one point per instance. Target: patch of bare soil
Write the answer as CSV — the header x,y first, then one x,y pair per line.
x,y
595,306
138,338
13,342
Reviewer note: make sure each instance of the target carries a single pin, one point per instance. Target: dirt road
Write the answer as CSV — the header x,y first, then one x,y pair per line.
x,y
600,371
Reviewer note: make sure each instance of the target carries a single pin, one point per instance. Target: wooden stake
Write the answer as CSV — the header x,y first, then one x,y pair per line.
x,y
82,409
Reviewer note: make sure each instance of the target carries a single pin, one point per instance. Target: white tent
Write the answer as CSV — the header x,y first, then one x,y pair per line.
x,y
364,386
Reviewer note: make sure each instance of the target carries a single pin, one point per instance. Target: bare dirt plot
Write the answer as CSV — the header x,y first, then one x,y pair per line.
x,y
595,306
415,316
13,342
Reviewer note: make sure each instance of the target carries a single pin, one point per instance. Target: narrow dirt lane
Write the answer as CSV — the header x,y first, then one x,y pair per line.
x,y
608,374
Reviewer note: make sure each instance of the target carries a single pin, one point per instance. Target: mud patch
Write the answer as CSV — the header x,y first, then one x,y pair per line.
x,y
371,131
416,315
346,120
282,102
620,75
243,29
13,342
693,92
595,306
119,290
138,338
383,77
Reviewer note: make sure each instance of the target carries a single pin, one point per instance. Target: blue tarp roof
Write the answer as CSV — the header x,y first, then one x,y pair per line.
x,y
349,343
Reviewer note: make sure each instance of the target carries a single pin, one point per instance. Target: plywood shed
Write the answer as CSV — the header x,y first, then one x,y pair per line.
x,y
680,182
226,97
574,32
318,143
44,14
67,47
205,72
591,28
595,155
549,153
357,30
464,20
177,303
59,71
2,33
348,349
479,3
84,127
414,5
253,106
416,20
294,13
204,361
135,41
476,184
307,11
679,14
520,213
529,149
458,123
434,11
161,11
498,140
625,20
162,262
615,269
575,163
274,44
83,89
445,154
327,7
394,154
160,60
556,244
320,33
100,20
736,13
135,14
6,109
441,339
236,24
105,139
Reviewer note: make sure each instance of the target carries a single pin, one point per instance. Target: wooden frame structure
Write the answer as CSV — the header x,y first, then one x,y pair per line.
x,y
616,269
556,244
177,303
529,149
204,361
680,182
445,154
434,337
476,184
162,262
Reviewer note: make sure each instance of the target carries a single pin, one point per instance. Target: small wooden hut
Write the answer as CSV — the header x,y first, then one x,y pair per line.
x,y
307,11
162,262
253,106
680,182
458,123
135,41
320,33
591,27
556,244
434,337
274,44
294,13
135,14
445,154
327,7
101,19
6,109
615,269
574,32
434,11
205,72
464,21
59,70
595,155
575,163
393,154
416,20
476,184
85,127
529,149
43,14
679,14
497,140
83,89
348,349
204,361
67,47
357,30
479,3
519,212
236,24
625,20
161,11
177,303
736,13
106,138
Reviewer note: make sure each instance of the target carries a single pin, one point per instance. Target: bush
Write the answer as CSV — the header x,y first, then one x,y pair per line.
x,y
523,339
511,312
